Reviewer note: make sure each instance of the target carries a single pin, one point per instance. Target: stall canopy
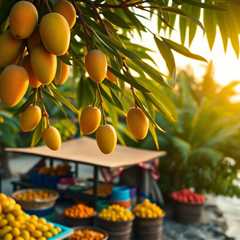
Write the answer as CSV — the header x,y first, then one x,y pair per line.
x,y
85,151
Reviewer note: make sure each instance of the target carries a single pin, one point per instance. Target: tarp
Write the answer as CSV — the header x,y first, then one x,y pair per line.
x,y
85,150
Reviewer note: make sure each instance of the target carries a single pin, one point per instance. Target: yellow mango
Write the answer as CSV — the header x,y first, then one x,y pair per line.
x,y
33,80
14,83
52,138
44,65
66,9
106,137
30,118
96,65
23,19
55,33
62,74
90,120
137,123
9,49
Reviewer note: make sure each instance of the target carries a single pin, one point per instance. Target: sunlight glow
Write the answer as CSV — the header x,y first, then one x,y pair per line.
x,y
227,65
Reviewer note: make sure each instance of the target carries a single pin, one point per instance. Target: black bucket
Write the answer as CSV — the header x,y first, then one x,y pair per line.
x,y
149,229
116,230
188,213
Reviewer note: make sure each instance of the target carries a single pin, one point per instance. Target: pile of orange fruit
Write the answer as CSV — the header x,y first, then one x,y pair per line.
x,y
87,234
79,211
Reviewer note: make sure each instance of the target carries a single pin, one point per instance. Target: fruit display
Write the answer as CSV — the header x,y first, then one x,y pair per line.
x,y
87,234
148,210
79,211
187,196
60,170
35,57
35,195
116,213
17,225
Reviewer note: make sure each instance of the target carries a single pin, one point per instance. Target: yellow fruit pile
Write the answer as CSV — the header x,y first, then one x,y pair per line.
x,y
146,209
116,213
17,225
37,195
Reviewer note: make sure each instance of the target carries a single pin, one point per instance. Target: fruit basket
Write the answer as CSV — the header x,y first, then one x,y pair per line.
x,y
148,222
81,233
117,221
188,206
79,215
36,199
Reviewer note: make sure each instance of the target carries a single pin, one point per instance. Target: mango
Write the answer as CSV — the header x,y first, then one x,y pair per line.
x,y
90,120
62,74
55,33
14,83
111,77
66,9
44,65
9,49
23,19
33,80
96,65
137,123
106,137
34,40
30,118
52,138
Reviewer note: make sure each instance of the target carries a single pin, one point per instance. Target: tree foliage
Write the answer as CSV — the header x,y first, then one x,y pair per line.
x,y
202,146
109,26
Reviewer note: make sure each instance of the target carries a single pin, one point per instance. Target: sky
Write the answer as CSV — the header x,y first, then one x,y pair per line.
x,y
227,65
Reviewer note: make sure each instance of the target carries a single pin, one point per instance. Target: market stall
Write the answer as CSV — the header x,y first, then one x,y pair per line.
x,y
85,151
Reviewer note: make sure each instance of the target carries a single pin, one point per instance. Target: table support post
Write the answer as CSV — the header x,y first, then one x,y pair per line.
x,y
76,170
95,186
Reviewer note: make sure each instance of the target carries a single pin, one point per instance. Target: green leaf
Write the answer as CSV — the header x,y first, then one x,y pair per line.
x,y
210,25
59,97
37,134
129,80
167,56
182,50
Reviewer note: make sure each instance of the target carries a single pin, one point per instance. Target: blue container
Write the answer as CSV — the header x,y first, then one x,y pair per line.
x,y
66,232
51,181
121,193
37,179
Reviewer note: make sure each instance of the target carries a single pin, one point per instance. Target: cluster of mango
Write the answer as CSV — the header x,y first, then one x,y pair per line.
x,y
28,56
17,225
